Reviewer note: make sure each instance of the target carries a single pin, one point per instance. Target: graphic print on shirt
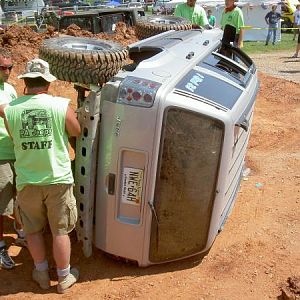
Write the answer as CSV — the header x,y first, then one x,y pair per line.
x,y
36,123
12,96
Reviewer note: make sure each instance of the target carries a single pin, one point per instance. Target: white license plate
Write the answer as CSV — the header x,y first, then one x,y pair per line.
x,y
132,185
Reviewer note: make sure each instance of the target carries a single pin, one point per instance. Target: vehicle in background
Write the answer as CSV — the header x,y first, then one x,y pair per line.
x,y
70,3
75,4
24,8
13,17
102,20
287,15
135,4
160,8
10,16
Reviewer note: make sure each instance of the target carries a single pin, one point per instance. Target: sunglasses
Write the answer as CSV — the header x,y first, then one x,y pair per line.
x,y
4,68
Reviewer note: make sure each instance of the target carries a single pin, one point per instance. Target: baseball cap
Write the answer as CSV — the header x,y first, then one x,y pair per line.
x,y
37,68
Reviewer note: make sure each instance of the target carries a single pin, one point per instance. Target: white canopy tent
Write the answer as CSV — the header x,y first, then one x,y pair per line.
x,y
254,15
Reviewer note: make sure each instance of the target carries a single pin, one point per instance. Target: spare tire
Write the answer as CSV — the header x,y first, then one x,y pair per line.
x,y
152,25
83,60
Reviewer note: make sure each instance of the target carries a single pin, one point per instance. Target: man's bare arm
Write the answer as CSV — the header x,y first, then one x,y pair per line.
x,y
241,37
72,124
6,126
2,110
2,115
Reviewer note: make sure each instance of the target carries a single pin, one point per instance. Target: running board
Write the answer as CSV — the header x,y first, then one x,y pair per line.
x,y
86,165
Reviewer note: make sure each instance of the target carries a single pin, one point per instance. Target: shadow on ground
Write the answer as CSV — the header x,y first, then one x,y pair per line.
x,y
99,266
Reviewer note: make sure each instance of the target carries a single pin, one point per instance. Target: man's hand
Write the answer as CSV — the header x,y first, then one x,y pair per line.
x,y
196,26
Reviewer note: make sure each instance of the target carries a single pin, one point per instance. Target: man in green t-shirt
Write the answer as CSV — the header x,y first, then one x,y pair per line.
x,y
7,94
232,19
40,125
195,13
211,18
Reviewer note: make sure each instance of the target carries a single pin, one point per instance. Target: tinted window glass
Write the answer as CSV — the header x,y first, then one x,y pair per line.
x,y
210,87
230,62
185,186
109,22
84,23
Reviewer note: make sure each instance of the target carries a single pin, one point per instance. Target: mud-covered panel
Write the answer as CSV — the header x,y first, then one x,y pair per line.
x,y
185,187
210,87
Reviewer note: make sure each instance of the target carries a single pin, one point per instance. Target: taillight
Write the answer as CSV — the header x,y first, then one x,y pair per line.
x,y
137,91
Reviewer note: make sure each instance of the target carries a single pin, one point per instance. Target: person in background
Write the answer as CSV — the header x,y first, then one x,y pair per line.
x,y
211,19
39,125
297,47
232,21
7,157
272,18
195,13
296,21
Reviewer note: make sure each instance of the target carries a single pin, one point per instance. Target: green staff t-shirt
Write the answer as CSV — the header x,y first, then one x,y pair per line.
x,y
234,18
37,125
195,14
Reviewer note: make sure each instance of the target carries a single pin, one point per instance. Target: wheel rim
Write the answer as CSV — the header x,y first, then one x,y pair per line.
x,y
85,46
166,20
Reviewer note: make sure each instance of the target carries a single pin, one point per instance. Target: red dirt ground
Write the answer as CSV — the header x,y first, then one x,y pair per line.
x,y
255,257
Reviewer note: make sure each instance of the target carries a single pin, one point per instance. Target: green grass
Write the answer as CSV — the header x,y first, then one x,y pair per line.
x,y
286,43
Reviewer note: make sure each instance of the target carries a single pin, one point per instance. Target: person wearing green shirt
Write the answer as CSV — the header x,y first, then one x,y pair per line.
x,y
195,13
7,94
211,19
40,125
232,16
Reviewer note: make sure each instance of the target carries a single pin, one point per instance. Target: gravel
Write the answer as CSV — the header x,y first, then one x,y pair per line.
x,y
279,64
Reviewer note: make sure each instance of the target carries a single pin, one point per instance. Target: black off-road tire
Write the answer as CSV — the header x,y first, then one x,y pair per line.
x,y
83,60
152,25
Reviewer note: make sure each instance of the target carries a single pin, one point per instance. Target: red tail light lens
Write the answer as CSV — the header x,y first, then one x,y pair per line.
x,y
137,91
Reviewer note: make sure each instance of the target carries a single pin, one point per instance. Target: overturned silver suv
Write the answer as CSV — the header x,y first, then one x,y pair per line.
x,y
160,159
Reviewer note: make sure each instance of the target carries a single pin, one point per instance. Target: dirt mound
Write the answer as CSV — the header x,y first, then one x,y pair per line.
x,y
123,34
23,42
292,290
75,30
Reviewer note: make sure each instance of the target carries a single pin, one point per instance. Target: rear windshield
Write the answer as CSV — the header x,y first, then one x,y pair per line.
x,y
186,182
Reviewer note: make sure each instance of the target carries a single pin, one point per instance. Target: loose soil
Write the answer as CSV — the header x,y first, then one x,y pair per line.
x,y
257,254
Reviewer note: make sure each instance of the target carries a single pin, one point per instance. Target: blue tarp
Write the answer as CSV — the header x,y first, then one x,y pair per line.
x,y
112,3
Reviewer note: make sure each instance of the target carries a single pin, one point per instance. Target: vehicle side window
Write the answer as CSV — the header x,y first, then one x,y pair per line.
x,y
84,23
232,64
128,19
108,22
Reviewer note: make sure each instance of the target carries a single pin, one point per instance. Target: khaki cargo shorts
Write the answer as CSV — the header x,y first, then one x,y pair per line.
x,y
7,188
38,205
